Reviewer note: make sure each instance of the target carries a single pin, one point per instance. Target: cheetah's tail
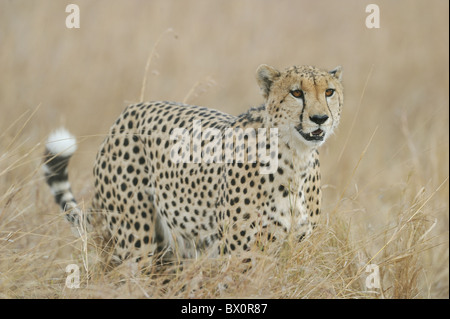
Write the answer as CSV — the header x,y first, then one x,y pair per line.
x,y
59,148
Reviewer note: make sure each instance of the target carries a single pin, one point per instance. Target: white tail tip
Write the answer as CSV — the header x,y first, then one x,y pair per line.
x,y
61,143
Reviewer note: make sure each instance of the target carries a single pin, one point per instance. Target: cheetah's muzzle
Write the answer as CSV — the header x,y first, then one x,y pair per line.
x,y
317,135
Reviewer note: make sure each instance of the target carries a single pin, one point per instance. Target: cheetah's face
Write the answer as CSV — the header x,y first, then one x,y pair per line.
x,y
303,102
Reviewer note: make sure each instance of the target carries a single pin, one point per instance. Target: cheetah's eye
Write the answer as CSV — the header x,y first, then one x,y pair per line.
x,y
297,93
329,92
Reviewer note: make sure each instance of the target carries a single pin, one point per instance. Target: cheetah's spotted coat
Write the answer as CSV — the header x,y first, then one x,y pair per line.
x,y
147,203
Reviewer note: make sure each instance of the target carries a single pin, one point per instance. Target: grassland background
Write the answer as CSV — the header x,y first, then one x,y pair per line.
x,y
385,171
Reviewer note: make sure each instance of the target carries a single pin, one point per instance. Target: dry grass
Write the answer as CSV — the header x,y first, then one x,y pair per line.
x,y
385,172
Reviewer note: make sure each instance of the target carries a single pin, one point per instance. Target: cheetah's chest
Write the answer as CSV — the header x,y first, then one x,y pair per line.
x,y
297,194
291,214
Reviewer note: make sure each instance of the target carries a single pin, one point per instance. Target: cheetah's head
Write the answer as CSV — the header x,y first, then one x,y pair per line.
x,y
303,102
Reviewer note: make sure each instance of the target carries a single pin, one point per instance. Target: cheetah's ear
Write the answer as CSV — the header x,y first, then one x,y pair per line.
x,y
265,75
337,73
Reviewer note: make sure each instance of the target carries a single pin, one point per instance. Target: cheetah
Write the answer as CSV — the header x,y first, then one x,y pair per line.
x,y
164,186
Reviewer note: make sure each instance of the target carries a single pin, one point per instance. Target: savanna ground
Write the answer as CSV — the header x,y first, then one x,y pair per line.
x,y
385,171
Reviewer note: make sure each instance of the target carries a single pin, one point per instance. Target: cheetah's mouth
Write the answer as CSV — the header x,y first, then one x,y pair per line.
x,y
316,135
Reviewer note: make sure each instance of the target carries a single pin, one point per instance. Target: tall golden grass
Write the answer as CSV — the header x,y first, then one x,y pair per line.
x,y
385,172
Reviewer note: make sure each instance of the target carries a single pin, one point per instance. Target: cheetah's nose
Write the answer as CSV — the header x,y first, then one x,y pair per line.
x,y
319,119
